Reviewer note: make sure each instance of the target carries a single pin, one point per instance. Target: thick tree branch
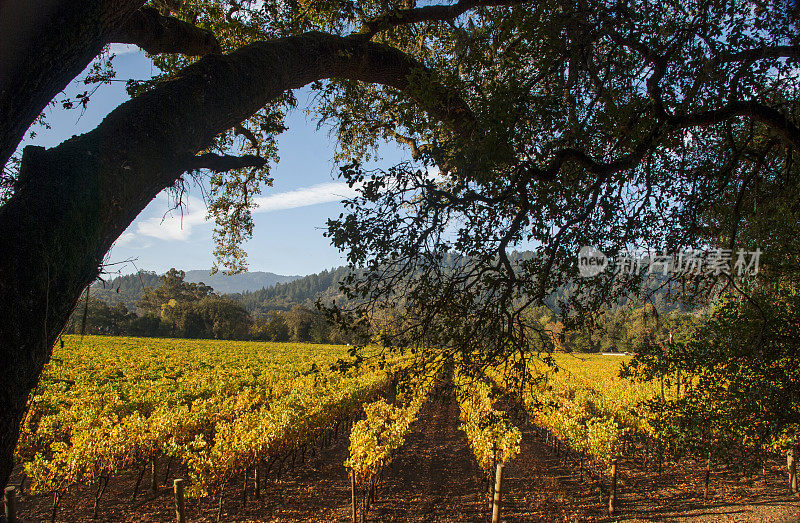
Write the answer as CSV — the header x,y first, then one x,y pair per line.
x,y
142,146
431,13
765,114
769,116
69,34
417,150
760,53
241,130
221,163
155,33
601,169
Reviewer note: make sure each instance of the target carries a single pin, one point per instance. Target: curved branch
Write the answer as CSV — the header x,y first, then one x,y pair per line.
x,y
69,34
585,160
155,33
430,13
142,146
759,53
417,150
759,112
765,114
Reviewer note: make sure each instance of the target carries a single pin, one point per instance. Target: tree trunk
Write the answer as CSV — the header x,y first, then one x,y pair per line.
x,y
52,249
45,44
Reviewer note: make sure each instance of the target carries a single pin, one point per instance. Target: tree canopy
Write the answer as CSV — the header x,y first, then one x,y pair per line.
x,y
664,127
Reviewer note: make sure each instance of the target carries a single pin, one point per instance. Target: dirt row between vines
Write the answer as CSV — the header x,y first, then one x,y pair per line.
x,y
434,478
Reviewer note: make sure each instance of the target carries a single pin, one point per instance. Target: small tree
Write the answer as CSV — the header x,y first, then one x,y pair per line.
x,y
172,287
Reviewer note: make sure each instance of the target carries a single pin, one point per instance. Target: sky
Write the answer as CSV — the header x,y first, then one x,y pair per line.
x,y
289,222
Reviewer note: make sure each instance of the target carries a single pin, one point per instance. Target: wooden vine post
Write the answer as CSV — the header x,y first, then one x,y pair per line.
x,y
56,502
180,506
498,492
9,502
138,482
791,465
708,476
153,478
244,486
612,497
353,494
102,483
489,480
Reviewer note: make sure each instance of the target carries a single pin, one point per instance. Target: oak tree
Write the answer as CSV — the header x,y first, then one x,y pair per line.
x,y
226,69
643,125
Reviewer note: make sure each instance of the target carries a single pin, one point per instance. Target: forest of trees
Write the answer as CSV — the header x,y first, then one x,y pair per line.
x,y
303,292
145,304
125,289
174,308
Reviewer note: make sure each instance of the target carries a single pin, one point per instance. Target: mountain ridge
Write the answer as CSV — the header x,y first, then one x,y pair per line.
x,y
128,288
247,281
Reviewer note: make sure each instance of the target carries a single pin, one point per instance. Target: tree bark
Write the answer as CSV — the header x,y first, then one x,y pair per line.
x,y
164,34
73,201
44,44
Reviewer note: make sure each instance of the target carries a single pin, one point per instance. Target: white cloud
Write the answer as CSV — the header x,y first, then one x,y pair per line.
x,y
178,225
125,238
316,194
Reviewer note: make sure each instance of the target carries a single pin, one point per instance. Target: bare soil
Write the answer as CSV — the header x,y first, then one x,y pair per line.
x,y
434,478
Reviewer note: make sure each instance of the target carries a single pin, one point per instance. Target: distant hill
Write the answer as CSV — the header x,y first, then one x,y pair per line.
x,y
126,289
261,292
248,281
303,291
129,288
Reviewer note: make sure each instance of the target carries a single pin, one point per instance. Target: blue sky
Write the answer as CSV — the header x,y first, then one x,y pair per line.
x,y
289,222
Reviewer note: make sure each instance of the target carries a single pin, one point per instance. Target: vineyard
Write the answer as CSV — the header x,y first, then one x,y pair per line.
x,y
247,427
584,406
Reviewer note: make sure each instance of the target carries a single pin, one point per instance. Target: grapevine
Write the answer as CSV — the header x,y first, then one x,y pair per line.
x,y
108,404
492,437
